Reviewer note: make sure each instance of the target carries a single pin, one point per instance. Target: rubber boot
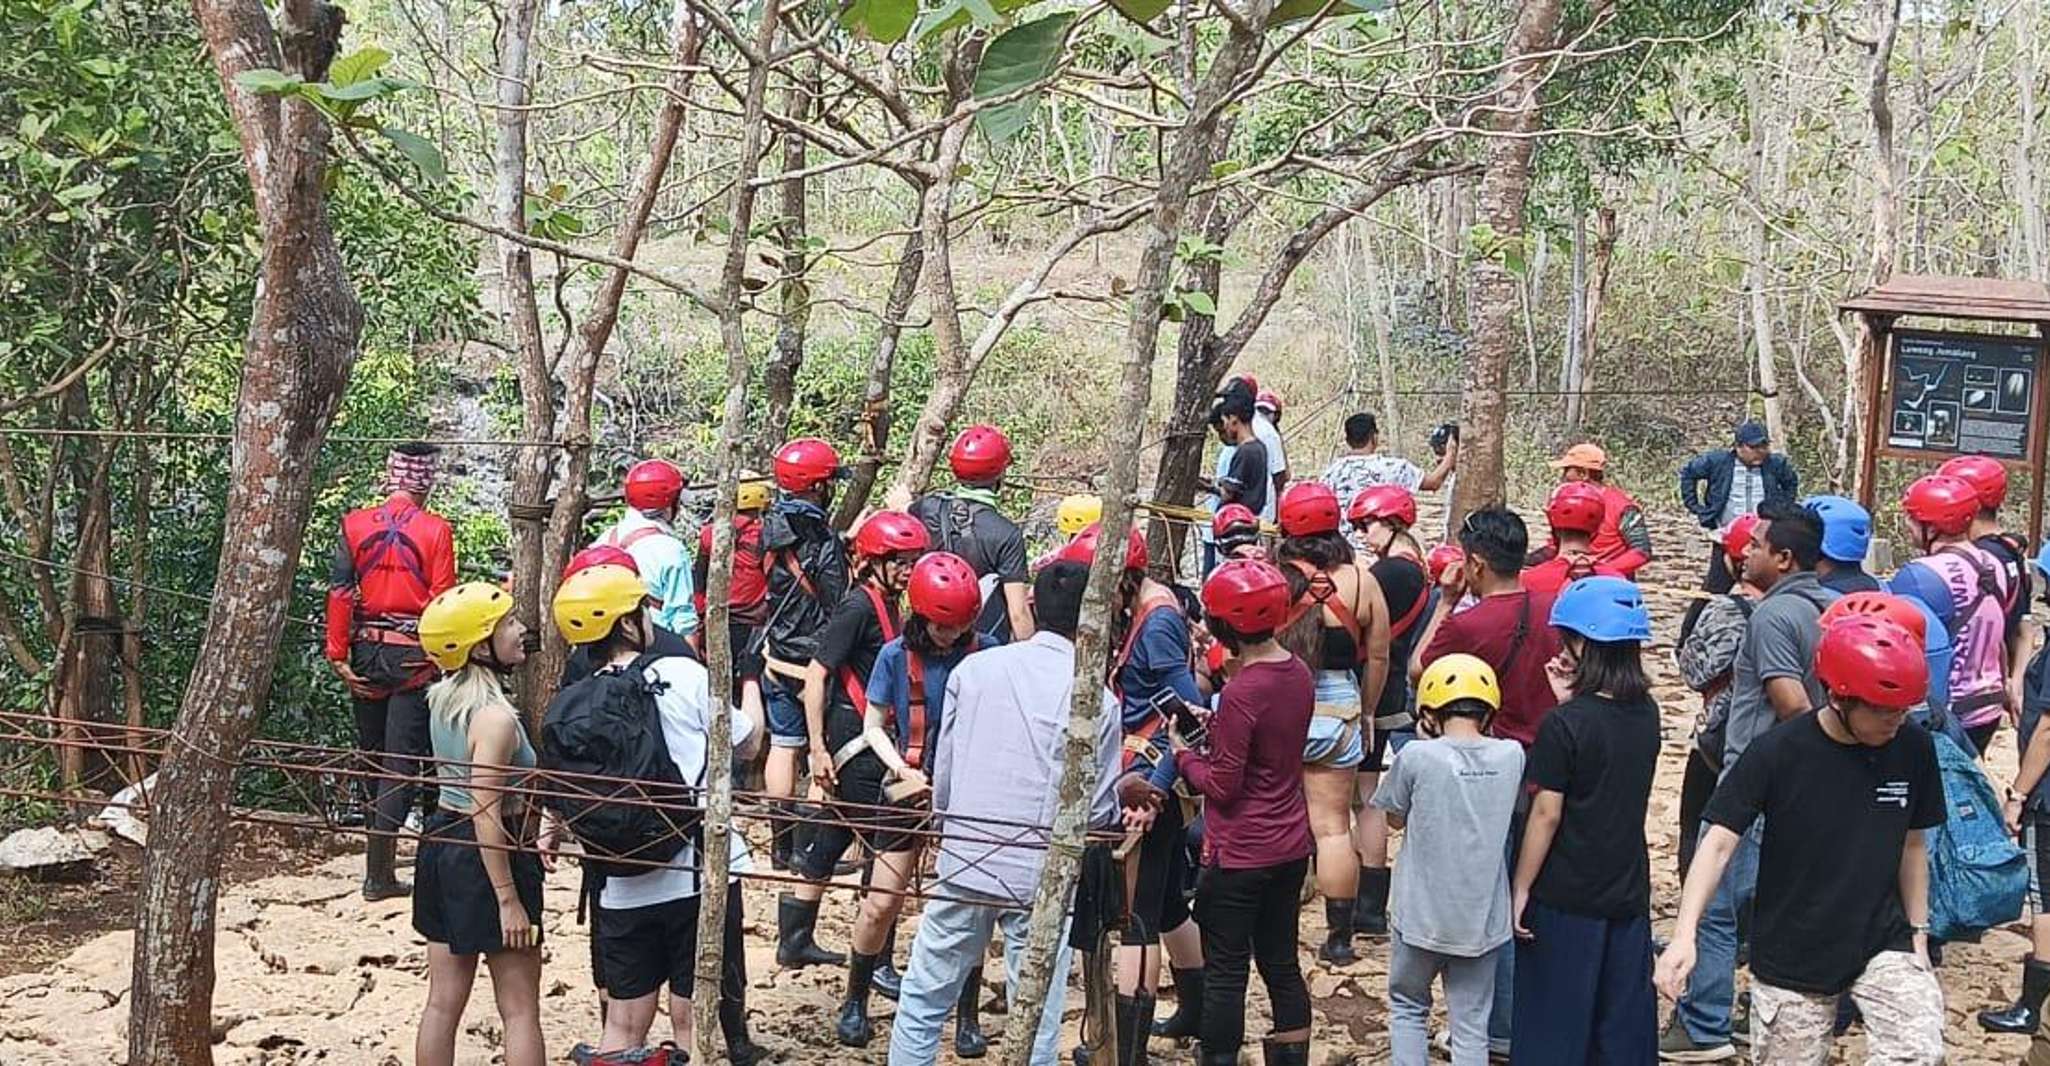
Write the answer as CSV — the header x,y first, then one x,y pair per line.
x,y
888,982
854,1028
380,881
782,839
795,948
1370,915
741,1050
1277,1054
1131,1046
1187,1020
1209,1056
1140,1025
970,1042
1337,949
2027,1012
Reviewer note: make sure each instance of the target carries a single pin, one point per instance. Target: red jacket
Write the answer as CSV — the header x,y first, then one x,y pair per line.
x,y
392,559
1557,572
1623,544
750,589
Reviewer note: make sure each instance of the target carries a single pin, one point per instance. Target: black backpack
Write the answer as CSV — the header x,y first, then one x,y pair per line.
x,y
608,726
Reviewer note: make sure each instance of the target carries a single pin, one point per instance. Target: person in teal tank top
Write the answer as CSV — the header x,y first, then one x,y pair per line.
x,y
478,890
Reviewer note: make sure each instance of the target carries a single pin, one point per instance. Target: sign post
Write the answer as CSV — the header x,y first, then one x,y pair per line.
x,y
1932,394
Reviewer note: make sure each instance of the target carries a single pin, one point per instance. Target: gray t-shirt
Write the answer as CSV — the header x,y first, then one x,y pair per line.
x,y
1451,891
1778,642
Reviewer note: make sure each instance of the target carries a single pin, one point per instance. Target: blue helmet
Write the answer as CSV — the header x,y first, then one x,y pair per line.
x,y
1925,586
1846,527
1606,609
2043,558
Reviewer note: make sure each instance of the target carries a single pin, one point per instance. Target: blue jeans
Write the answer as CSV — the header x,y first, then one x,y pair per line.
x,y
952,938
787,727
1586,993
1502,1012
1711,991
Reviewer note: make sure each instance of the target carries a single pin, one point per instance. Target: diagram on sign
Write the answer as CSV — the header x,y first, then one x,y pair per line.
x,y
1962,393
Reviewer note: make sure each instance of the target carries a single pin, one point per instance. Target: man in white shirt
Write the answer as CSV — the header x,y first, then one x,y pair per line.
x,y
1364,464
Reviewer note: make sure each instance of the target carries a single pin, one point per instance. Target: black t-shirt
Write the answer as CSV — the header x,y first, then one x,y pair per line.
x,y
1847,578
992,544
1601,755
1405,586
1249,470
667,645
2016,570
1836,819
851,640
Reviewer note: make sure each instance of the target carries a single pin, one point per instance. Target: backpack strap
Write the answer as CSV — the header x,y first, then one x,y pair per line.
x,y
914,703
387,537
623,542
1139,615
1989,587
857,687
1400,627
1516,638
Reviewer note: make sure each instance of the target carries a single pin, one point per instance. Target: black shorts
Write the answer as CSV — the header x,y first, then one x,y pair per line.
x,y
453,903
860,784
642,948
1160,893
748,662
2036,841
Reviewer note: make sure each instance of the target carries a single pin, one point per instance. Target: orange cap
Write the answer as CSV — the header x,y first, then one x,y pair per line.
x,y
1584,457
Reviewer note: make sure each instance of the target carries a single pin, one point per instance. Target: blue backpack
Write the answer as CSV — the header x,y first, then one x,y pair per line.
x,y
1977,874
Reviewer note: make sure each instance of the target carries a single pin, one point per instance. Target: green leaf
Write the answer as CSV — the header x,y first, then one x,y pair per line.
x,y
420,150
1020,56
887,21
105,68
1226,168
1296,10
1140,11
1198,301
269,82
78,194
358,65
357,92
955,14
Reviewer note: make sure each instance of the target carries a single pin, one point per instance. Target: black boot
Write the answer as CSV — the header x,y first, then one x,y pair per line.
x,y
1337,949
854,1029
2027,1011
969,1040
1370,914
380,879
795,948
741,1049
1131,1043
888,982
1141,1026
1187,1020
1210,1056
1275,1054
782,839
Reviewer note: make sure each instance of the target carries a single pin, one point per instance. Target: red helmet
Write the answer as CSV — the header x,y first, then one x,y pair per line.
x,y
1442,558
1943,503
1269,400
1388,503
1576,506
890,533
1233,516
1737,538
980,454
805,464
1987,476
1248,595
653,484
1893,608
1083,548
1309,508
1872,659
601,555
944,589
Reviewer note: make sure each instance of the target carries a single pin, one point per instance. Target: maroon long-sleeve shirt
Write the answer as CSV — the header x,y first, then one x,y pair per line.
x,y
1252,774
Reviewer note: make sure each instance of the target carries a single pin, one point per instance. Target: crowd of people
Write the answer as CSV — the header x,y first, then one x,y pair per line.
x,y
1333,680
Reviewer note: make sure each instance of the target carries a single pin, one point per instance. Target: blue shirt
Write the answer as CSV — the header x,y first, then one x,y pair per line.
x,y
664,562
889,685
1160,660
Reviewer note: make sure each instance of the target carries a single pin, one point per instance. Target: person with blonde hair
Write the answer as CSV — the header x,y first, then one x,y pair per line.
x,y
479,890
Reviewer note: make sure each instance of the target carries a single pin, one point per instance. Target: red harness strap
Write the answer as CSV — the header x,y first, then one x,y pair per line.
x,y
1323,593
1139,615
914,703
857,687
1402,625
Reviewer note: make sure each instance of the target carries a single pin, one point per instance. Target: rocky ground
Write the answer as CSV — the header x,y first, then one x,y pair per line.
x,y
309,973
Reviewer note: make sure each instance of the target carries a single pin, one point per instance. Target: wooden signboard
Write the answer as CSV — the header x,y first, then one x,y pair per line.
x,y
1963,394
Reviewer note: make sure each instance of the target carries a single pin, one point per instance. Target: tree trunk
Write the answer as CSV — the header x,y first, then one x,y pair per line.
x,y
1576,303
533,467
1758,267
1885,197
1504,190
1380,300
1189,159
2028,197
779,378
1605,235
875,395
297,357
1198,373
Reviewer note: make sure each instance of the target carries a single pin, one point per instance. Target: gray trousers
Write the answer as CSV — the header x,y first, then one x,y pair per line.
x,y
1469,992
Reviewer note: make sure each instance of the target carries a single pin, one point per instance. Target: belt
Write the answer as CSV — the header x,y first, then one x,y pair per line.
x,y
378,635
1344,712
1398,720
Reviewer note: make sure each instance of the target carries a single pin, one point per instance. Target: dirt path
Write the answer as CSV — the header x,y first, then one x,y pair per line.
x,y
308,973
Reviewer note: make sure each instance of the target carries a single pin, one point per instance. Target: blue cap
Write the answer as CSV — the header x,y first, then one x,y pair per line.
x,y
1926,587
1751,434
2043,558
1846,527
1607,609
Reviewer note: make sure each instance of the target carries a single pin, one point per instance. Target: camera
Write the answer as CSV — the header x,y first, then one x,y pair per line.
x,y
1442,436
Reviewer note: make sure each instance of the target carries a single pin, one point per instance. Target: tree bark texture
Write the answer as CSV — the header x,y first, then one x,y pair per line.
x,y
1758,261
1885,196
719,736
1190,155
1504,191
299,351
874,418
779,378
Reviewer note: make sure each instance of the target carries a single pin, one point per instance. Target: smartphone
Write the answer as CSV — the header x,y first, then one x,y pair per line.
x,y
1176,712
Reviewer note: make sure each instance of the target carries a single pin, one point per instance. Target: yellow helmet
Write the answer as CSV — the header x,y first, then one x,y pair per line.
x,y
1077,513
588,602
1450,678
753,495
459,620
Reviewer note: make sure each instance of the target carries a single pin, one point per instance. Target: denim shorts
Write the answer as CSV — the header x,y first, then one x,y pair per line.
x,y
1336,738
785,707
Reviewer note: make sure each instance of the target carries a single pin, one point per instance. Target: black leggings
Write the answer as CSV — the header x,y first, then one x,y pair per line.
x,y
1982,736
1250,915
395,727
1696,786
